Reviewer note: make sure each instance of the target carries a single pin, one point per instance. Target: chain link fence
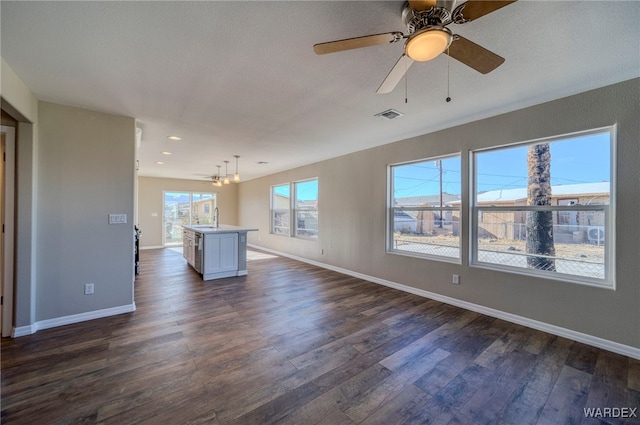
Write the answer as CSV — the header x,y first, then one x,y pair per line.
x,y
576,254
580,266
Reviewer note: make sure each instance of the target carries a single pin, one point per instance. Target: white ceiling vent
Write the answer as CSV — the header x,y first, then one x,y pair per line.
x,y
389,114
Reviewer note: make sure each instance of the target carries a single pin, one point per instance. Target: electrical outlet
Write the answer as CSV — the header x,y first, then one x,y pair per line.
x,y
88,288
456,279
322,251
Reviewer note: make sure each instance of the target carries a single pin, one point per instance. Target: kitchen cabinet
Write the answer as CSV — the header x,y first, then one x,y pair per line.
x,y
220,255
188,246
216,251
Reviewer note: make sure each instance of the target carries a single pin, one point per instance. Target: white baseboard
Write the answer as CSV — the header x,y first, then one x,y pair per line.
x,y
74,318
594,341
142,248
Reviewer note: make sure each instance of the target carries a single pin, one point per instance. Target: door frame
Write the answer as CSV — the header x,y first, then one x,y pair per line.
x,y
8,227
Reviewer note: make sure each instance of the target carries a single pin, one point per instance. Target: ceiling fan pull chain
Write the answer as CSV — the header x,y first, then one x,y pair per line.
x,y
448,74
406,84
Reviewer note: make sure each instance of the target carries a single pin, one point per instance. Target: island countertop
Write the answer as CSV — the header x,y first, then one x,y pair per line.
x,y
222,228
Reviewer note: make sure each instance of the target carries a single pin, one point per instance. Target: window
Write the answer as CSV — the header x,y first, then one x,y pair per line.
x,y
303,210
306,208
281,209
546,207
424,210
184,209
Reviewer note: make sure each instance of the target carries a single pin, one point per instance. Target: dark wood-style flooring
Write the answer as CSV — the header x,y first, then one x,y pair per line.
x,y
296,344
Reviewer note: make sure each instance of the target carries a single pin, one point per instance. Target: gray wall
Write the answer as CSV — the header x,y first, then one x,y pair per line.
x,y
85,170
352,216
17,100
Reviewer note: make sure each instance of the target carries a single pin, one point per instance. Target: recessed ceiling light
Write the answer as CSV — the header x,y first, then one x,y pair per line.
x,y
160,162
174,138
262,162
166,153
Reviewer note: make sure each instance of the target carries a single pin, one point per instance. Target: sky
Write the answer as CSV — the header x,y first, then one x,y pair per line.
x,y
305,190
183,197
579,159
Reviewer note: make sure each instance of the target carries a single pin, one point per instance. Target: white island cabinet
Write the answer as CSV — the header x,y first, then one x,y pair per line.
x,y
217,251
220,255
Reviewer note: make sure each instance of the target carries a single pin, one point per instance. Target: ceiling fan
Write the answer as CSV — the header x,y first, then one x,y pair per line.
x,y
428,37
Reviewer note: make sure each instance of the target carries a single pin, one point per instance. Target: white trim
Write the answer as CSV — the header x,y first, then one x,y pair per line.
x,y
142,248
74,318
605,344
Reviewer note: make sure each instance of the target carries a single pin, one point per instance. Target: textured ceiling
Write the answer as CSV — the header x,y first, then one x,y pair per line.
x,y
241,78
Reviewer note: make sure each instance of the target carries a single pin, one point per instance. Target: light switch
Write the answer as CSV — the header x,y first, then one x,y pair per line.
x,y
117,219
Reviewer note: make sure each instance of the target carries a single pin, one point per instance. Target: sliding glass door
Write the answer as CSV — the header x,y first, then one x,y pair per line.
x,y
184,209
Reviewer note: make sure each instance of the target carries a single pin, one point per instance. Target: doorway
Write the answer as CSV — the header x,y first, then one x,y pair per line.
x,y
184,209
7,177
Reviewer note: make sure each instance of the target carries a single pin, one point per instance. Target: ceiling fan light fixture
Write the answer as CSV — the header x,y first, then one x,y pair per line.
x,y
428,44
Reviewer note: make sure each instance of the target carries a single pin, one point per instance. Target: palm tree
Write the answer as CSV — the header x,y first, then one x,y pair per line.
x,y
540,223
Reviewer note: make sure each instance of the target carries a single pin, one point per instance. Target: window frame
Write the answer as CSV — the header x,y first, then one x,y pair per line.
x,y
609,211
292,231
391,211
295,211
272,211
191,216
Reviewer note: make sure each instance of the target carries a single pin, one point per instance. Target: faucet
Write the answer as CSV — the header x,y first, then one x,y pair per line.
x,y
216,217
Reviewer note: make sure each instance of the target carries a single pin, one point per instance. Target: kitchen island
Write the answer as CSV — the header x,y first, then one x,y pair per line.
x,y
216,251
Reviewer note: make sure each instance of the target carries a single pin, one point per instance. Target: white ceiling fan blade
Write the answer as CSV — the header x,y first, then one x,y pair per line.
x,y
395,75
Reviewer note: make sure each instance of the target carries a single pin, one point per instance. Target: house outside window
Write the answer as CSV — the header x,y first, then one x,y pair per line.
x,y
185,209
306,208
294,209
424,208
550,214
281,209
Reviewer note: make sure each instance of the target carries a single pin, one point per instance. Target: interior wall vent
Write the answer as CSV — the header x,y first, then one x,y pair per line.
x,y
389,114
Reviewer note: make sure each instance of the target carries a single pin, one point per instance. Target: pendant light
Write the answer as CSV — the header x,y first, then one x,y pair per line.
x,y
226,172
236,176
216,179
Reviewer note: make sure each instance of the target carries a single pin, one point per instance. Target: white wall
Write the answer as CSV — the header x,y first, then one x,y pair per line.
x,y
17,99
352,217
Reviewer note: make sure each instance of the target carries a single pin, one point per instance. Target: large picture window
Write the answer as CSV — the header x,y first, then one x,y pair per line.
x,y
185,209
295,206
546,207
424,208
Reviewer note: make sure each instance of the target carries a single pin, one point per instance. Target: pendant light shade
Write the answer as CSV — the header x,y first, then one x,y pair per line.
x,y
236,176
226,172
